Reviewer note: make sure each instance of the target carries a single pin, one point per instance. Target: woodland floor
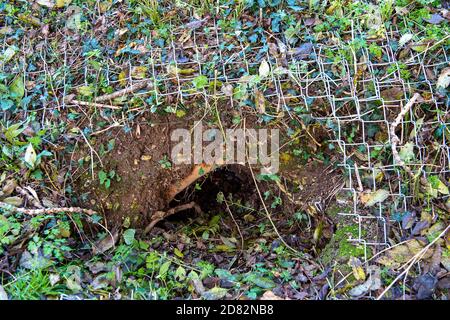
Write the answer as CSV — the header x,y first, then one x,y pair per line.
x,y
83,176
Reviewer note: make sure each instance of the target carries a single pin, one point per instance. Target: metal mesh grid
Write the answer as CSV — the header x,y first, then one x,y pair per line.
x,y
332,93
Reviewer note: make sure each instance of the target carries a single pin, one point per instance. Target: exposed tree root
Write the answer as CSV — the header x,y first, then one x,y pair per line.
x,y
161,215
198,171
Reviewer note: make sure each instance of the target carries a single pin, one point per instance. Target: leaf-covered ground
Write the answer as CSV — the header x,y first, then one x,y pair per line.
x,y
90,91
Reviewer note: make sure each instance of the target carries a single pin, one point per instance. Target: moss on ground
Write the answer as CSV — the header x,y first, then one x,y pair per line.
x,y
339,248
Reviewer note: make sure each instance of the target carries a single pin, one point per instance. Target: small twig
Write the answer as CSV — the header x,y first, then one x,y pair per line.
x,y
264,204
412,261
120,93
92,153
394,138
429,48
237,225
114,125
358,179
161,215
94,104
34,212
268,214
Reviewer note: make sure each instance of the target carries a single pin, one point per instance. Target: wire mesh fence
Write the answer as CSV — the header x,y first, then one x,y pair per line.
x,y
348,88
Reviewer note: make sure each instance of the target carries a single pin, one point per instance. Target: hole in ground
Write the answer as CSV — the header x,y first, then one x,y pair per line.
x,y
232,180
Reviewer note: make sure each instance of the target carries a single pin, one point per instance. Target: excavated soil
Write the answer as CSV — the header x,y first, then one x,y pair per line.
x,y
141,181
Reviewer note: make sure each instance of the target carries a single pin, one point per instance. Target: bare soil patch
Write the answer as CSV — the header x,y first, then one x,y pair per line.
x,y
143,179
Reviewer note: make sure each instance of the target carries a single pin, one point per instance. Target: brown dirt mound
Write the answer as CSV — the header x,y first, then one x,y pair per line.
x,y
314,183
145,184
143,180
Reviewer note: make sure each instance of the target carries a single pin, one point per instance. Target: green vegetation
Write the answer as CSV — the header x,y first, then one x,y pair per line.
x,y
90,91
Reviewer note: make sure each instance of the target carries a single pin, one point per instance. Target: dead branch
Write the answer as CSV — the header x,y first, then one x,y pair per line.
x,y
93,104
120,93
394,138
34,212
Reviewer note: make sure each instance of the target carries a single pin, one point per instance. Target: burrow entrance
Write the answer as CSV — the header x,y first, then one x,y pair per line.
x,y
231,182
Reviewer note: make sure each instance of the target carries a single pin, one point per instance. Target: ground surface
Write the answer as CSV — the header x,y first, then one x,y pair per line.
x,y
90,92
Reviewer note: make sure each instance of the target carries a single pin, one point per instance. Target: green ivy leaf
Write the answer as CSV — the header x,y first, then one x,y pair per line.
x,y
13,131
86,91
102,176
215,293
17,88
128,236
180,273
8,54
262,282
164,269
437,185
178,253
407,152
200,82
6,104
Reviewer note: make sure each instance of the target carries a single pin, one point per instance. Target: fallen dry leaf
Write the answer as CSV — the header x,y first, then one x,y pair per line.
x,y
106,243
46,3
371,198
373,282
399,255
3,295
269,295
260,101
264,69
444,79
